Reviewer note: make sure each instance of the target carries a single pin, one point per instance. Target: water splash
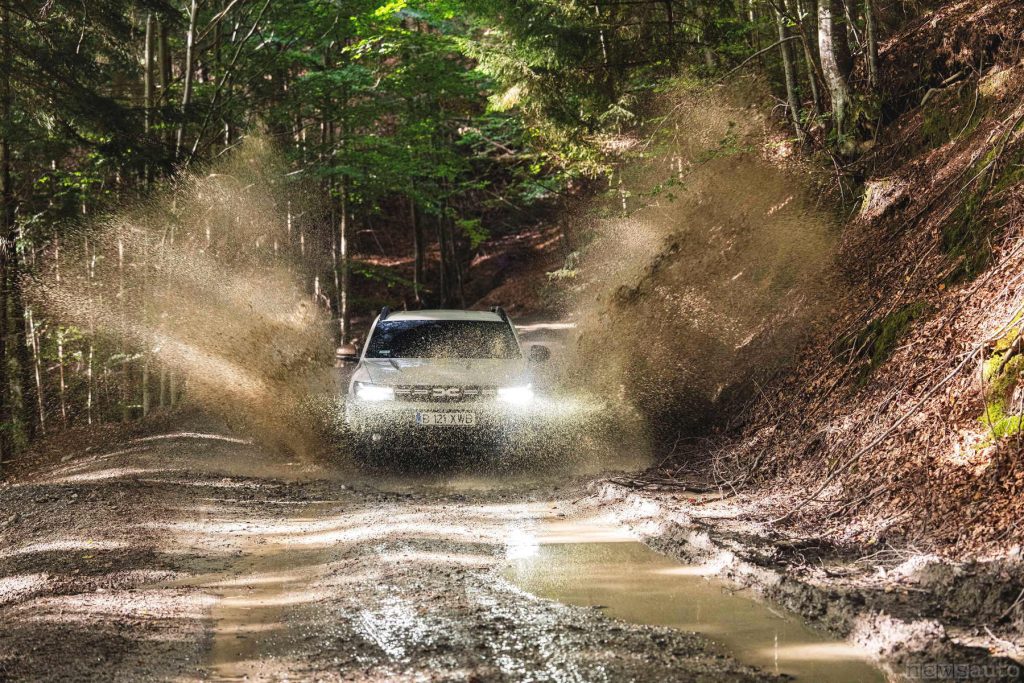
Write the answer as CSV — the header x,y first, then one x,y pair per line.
x,y
202,281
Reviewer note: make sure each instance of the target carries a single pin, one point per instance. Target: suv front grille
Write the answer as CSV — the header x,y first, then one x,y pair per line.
x,y
443,393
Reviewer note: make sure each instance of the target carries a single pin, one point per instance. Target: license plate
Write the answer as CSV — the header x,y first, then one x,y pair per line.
x,y
461,419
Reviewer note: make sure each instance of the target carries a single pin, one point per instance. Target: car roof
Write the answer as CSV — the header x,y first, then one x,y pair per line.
x,y
445,314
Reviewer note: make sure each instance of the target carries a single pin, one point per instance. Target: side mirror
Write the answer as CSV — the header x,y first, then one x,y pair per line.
x,y
347,354
539,354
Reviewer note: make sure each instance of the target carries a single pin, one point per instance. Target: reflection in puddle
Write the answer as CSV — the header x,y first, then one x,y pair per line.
x,y
591,563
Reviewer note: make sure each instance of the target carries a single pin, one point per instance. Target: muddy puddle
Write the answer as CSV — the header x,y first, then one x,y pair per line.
x,y
594,563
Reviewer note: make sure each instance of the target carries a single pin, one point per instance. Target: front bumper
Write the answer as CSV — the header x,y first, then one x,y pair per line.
x,y
395,422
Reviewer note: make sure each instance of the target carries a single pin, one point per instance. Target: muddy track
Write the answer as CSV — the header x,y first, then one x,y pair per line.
x,y
193,556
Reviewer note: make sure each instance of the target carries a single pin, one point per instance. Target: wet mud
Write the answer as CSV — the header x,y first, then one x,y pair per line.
x,y
198,556
594,561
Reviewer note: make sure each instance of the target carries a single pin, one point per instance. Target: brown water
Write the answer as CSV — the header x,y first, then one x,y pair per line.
x,y
593,563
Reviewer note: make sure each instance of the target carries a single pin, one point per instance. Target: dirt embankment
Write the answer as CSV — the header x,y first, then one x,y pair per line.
x,y
895,437
902,419
917,616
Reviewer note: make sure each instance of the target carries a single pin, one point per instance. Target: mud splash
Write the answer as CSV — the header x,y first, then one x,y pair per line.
x,y
702,267
201,288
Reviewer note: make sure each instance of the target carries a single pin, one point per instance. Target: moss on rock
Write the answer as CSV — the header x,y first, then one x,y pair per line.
x,y
1003,372
876,342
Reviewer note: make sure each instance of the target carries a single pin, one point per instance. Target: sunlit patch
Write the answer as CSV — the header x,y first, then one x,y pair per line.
x,y
66,544
111,473
18,586
521,544
279,599
393,626
416,556
156,604
584,530
687,570
825,652
195,435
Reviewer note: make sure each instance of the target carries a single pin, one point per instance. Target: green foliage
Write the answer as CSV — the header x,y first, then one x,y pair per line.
x,y
729,145
1003,372
968,232
965,238
381,274
949,116
876,342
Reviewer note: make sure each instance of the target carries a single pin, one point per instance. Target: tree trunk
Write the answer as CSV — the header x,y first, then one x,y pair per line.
x,y
6,232
62,387
126,375
804,17
22,351
37,367
442,243
704,39
344,315
789,70
419,252
149,83
456,261
89,374
828,35
671,28
841,36
149,86
186,95
609,76
871,43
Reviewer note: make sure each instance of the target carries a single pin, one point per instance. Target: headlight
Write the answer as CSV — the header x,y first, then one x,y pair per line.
x,y
519,396
365,391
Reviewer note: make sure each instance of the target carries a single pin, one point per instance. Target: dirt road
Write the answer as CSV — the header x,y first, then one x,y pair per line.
x,y
196,555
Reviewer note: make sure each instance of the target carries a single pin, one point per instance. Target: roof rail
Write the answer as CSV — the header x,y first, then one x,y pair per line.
x,y
500,311
384,313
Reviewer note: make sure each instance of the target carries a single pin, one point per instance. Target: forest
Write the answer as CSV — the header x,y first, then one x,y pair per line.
x,y
411,133
740,391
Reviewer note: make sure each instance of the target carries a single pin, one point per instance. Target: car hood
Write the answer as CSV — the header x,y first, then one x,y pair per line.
x,y
441,371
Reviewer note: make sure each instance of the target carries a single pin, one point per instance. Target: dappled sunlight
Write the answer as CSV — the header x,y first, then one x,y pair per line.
x,y
150,604
687,570
66,544
821,652
285,594
394,625
15,587
426,557
480,524
113,473
194,435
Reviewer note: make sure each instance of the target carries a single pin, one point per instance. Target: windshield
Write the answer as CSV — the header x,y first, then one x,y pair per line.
x,y
443,339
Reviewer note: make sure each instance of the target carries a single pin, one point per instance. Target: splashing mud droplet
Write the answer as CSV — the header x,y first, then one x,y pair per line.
x,y
197,280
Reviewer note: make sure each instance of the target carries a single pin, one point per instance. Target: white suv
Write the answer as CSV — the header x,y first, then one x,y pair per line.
x,y
443,378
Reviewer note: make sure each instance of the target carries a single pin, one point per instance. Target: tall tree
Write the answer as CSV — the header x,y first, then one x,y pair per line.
x,y
831,39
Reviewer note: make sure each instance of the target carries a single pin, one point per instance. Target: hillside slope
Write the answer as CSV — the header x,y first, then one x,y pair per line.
x,y
903,418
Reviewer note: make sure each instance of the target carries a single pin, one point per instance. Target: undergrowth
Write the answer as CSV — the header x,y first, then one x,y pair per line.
x,y
878,340
1003,372
951,116
968,232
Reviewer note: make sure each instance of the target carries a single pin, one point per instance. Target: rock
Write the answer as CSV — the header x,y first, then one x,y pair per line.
x,y
998,81
880,196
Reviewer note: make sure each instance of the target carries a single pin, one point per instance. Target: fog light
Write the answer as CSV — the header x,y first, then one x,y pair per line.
x,y
519,396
